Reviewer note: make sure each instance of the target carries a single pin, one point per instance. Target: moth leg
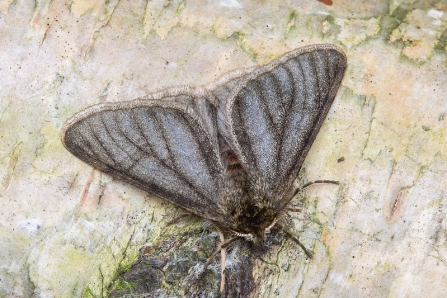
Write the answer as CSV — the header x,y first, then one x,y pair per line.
x,y
223,256
178,218
314,182
308,254
219,249
293,209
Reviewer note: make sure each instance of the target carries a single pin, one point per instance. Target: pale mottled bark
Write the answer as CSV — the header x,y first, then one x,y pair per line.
x,y
68,231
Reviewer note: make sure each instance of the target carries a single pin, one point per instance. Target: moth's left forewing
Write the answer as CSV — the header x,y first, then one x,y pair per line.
x,y
271,115
165,144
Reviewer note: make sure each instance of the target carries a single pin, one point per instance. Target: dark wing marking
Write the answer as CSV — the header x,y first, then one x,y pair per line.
x,y
273,114
166,145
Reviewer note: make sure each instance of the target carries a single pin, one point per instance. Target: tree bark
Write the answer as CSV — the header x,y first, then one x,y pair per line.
x,y
70,231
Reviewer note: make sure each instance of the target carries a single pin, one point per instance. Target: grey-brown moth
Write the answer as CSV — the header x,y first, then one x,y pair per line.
x,y
229,151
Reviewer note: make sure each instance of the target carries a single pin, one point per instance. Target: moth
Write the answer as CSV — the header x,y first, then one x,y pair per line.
x,y
229,151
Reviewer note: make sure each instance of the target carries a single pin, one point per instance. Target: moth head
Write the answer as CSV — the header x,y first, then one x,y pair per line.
x,y
253,220
257,239
250,208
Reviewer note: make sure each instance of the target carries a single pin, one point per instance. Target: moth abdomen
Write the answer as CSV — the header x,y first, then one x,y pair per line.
x,y
232,163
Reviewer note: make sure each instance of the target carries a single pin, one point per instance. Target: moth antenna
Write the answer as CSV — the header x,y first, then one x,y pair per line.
x,y
314,182
308,254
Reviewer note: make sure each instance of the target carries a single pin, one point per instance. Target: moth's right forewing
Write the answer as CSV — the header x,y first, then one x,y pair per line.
x,y
166,146
272,115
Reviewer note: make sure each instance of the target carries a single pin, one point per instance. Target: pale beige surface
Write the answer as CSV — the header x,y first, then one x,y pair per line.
x,y
380,234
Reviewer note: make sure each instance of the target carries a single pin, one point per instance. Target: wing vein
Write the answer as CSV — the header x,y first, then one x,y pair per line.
x,y
174,160
201,153
287,111
140,149
152,152
117,143
314,67
249,154
270,123
101,144
304,84
157,158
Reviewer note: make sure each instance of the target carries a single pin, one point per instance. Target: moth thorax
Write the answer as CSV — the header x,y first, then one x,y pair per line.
x,y
253,219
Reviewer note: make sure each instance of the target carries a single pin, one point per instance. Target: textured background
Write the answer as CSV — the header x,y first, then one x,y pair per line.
x,y
69,231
